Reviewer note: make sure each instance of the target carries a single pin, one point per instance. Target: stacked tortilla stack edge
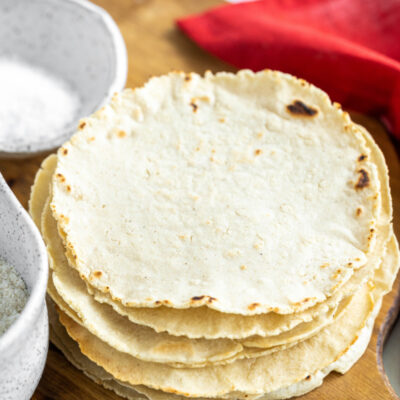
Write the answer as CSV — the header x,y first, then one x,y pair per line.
x,y
226,236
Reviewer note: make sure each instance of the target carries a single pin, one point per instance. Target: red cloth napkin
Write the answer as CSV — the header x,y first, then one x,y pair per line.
x,y
349,48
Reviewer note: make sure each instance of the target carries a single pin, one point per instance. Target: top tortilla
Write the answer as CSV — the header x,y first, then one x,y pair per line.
x,y
181,193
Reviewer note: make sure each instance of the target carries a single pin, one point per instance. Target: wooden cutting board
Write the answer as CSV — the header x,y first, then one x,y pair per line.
x,y
155,46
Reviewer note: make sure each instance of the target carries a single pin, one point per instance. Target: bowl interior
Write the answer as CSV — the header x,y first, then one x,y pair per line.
x,y
22,247
72,39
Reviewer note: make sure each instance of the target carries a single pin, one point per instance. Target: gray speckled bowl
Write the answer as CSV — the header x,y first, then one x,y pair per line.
x,y
76,41
23,347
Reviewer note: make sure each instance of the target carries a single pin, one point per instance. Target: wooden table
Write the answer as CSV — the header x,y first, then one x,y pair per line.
x,y
155,46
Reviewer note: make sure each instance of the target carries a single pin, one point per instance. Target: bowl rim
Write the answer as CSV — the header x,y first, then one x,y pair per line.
x,y
36,300
116,85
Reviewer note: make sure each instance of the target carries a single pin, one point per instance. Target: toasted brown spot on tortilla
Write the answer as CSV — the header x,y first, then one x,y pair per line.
x,y
211,299
306,300
301,109
194,106
121,134
363,179
195,298
221,120
82,125
158,302
257,152
65,152
97,274
359,211
253,306
61,177
362,157
188,78
308,377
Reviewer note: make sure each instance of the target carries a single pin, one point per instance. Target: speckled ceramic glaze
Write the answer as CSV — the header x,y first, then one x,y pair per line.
x,y
23,347
75,40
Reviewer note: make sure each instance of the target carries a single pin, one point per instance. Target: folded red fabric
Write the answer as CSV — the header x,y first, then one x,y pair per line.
x,y
349,48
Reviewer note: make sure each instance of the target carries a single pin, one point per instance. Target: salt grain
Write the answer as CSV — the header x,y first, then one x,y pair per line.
x,y
34,105
13,295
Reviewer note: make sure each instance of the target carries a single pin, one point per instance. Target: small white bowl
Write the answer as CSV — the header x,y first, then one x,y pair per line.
x,y
23,347
75,41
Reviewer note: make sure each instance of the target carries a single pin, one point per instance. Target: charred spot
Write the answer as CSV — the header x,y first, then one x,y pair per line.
x,y
363,180
308,377
362,157
196,298
158,302
257,152
372,230
82,125
60,177
97,274
359,211
194,106
188,78
253,306
211,299
65,152
166,302
299,108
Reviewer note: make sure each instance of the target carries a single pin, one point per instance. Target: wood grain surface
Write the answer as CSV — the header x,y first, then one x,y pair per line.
x,y
155,46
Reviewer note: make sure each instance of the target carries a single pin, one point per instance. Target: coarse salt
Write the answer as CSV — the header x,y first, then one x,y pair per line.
x,y
13,295
34,105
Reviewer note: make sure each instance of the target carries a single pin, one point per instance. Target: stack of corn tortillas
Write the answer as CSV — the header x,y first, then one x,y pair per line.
x,y
226,236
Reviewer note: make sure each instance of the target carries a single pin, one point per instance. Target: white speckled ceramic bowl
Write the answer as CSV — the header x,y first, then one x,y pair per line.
x,y
23,347
75,40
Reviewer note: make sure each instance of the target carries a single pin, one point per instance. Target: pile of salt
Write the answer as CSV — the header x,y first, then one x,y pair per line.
x,y
34,105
